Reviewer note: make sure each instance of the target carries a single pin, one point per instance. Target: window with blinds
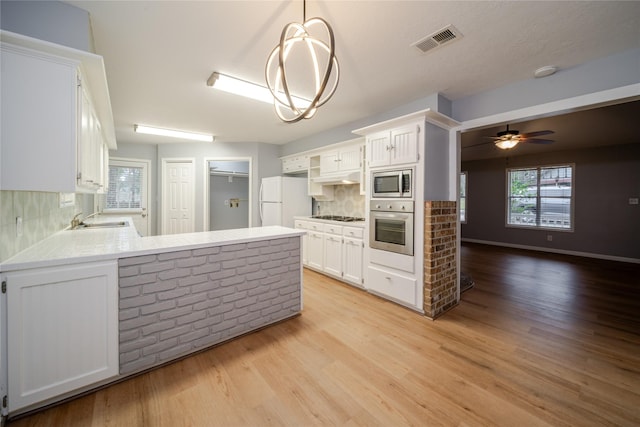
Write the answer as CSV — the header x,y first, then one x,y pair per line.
x,y
125,188
541,197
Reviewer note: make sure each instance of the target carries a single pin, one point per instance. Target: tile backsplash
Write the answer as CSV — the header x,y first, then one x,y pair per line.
x,y
41,216
347,201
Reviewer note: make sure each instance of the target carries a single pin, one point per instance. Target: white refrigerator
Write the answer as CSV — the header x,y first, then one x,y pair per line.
x,y
282,198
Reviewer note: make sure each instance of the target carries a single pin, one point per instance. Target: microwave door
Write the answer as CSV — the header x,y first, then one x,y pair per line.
x,y
387,184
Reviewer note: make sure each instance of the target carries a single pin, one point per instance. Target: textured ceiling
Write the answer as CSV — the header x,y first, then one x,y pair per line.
x,y
611,125
158,55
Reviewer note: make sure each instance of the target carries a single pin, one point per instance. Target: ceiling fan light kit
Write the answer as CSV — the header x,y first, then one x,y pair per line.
x,y
509,138
506,144
295,35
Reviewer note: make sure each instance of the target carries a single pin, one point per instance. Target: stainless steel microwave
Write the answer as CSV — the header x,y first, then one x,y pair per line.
x,y
392,183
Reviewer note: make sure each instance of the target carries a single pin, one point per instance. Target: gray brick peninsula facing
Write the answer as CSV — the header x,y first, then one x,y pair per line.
x,y
92,306
172,304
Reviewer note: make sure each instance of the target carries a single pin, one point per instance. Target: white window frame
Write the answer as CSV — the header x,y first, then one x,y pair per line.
x,y
119,162
465,197
537,225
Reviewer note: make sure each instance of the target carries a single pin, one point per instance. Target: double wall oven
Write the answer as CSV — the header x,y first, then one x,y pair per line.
x,y
391,211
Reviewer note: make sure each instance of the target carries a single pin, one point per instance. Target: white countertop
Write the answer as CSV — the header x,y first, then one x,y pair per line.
x,y
100,244
359,224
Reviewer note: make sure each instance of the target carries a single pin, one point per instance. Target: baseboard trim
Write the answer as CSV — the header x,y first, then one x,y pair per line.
x,y
555,251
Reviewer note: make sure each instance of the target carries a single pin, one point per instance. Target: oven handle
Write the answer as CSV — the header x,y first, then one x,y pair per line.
x,y
391,215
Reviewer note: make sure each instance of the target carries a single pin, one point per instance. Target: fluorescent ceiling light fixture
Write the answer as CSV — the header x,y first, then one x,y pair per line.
x,y
172,133
247,89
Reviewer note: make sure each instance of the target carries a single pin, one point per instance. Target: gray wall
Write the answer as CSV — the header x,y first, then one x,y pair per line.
x,y
436,102
221,215
54,21
602,74
605,223
265,162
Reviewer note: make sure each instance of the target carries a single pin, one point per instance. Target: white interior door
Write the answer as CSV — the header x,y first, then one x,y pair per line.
x,y
129,191
178,196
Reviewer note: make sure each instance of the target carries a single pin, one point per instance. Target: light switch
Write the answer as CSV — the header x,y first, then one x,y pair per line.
x,y
19,226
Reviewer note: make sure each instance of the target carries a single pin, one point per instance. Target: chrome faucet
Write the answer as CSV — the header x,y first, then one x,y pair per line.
x,y
75,222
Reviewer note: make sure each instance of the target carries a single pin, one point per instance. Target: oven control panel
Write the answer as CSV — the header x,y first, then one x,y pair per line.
x,y
391,206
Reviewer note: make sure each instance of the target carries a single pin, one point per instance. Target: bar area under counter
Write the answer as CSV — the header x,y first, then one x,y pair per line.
x,y
92,306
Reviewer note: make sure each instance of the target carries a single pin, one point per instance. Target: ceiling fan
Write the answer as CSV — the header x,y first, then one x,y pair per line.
x,y
509,138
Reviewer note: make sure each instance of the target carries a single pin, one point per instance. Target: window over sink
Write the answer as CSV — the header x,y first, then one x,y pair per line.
x,y
125,186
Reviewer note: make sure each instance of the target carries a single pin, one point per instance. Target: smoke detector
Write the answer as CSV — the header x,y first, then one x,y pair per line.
x,y
437,39
545,71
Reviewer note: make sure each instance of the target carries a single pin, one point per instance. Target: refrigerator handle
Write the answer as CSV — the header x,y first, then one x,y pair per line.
x,y
260,202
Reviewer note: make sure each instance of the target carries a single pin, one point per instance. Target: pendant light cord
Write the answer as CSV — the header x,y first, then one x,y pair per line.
x,y
304,11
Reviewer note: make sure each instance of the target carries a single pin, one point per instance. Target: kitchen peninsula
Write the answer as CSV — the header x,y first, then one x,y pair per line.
x,y
90,306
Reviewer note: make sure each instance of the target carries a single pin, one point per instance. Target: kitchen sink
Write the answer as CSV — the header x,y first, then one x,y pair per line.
x,y
112,224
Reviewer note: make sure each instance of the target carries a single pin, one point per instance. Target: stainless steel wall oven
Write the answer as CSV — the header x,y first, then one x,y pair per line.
x,y
391,226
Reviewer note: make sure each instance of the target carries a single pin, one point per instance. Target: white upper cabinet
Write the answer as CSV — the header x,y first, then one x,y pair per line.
x,y
393,147
56,117
90,148
295,164
342,160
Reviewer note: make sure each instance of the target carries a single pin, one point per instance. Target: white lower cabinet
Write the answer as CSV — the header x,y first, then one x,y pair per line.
x,y
333,250
315,251
62,330
352,260
390,284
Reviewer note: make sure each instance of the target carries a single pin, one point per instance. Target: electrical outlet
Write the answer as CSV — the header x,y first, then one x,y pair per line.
x,y
633,200
549,238
19,226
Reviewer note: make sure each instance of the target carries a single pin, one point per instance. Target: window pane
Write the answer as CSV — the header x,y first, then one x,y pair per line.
x,y
125,185
555,197
463,197
540,197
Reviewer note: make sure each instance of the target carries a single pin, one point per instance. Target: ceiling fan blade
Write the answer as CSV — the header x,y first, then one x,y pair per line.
x,y
476,145
495,138
537,133
538,141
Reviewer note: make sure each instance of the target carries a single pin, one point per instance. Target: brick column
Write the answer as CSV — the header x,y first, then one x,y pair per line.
x,y
440,272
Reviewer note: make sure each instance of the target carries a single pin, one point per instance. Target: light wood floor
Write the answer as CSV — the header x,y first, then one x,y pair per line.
x,y
539,340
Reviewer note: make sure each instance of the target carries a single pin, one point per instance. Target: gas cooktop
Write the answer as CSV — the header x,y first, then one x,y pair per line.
x,y
338,218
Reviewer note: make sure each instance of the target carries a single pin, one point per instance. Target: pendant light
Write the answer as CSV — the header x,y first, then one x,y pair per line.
x,y
289,108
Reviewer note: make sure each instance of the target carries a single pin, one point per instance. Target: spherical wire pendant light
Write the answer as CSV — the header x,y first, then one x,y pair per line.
x,y
289,107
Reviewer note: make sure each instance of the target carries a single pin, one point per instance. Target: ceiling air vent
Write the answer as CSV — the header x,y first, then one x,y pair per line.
x,y
437,39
